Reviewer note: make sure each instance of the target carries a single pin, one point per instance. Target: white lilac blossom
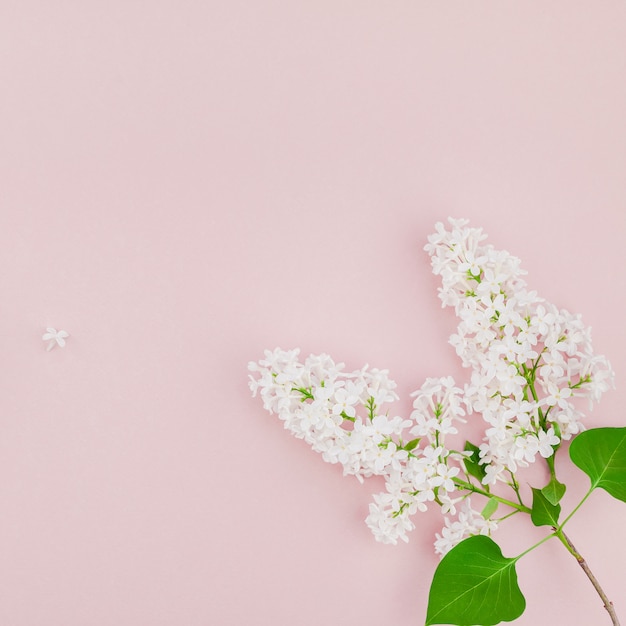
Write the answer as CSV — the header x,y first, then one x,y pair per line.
x,y
339,414
469,522
529,359
529,362
428,474
55,338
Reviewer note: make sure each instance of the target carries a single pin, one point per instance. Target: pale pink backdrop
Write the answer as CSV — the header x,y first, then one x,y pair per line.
x,y
183,184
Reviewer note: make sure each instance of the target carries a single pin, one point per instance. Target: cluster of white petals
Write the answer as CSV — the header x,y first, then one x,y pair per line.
x,y
529,362
529,359
338,414
468,522
429,473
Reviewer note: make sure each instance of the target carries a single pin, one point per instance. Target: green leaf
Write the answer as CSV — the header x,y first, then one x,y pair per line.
x,y
544,513
553,491
601,454
474,584
472,462
490,508
411,445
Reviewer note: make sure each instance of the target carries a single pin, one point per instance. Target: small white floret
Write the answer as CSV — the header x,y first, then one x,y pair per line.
x,y
55,338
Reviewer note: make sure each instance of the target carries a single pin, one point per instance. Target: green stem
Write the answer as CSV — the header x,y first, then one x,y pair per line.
x,y
515,487
562,537
482,492
550,462
511,514
519,556
529,375
569,517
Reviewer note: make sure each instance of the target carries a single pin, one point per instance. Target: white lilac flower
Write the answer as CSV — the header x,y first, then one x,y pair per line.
x,y
430,469
388,528
529,363
518,347
444,477
55,338
344,403
557,396
526,448
338,414
546,441
469,522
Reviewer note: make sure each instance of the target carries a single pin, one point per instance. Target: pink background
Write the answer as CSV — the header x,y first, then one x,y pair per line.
x,y
183,184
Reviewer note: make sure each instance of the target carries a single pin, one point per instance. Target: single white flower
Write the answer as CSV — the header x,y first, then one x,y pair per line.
x,y
526,448
558,396
444,477
547,439
344,403
54,338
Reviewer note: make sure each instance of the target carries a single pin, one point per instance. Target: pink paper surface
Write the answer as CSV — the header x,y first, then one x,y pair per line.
x,y
183,184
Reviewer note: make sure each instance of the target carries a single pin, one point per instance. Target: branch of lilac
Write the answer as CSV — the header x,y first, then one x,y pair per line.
x,y
531,364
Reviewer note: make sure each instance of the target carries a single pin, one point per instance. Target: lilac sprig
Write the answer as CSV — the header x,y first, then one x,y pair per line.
x,y
530,362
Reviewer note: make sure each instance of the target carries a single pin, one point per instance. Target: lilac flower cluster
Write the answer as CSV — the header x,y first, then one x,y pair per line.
x,y
529,361
338,414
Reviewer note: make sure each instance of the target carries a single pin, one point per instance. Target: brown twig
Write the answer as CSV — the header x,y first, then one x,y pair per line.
x,y
608,605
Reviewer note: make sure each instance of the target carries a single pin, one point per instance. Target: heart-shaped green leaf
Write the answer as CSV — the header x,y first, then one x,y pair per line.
x,y
475,585
601,454
544,513
554,491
